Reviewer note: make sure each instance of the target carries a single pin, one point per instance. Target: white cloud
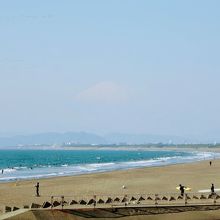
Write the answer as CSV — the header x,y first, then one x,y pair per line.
x,y
106,92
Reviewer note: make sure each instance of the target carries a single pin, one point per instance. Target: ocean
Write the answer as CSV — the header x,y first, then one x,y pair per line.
x,y
34,164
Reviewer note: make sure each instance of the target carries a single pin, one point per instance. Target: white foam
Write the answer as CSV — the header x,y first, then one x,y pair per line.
x,y
9,170
43,171
64,165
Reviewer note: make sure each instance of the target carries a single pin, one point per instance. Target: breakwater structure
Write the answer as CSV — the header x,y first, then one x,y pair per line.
x,y
115,206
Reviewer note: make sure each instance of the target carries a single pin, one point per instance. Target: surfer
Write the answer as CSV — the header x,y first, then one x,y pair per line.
x,y
212,189
181,189
2,171
37,189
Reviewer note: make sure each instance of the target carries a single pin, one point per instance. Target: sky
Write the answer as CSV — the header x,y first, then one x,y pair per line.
x,y
143,67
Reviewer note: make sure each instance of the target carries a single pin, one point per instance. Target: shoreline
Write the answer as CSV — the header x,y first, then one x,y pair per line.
x,y
110,172
68,170
114,172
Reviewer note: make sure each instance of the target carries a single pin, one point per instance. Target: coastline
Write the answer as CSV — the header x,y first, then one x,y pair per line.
x,y
163,179
141,159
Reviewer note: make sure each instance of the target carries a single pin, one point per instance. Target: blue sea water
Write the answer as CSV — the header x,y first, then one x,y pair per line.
x,y
31,164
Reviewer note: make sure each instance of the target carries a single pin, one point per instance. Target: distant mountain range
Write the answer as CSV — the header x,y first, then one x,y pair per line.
x,y
82,138
52,138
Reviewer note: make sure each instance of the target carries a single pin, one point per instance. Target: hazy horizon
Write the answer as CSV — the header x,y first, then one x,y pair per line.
x,y
133,67
84,137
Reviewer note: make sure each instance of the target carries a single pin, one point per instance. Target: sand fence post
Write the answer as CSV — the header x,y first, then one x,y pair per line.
x,y
156,199
125,200
51,199
214,199
62,201
94,204
185,198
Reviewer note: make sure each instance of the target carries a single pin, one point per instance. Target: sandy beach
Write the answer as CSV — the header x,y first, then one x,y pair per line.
x,y
164,179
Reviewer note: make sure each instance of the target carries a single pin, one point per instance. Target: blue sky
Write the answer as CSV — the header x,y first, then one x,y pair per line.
x,y
110,66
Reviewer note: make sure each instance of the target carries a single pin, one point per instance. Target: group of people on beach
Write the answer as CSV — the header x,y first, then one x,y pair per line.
x,y
182,189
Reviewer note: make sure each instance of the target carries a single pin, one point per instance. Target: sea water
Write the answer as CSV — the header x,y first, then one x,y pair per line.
x,y
34,164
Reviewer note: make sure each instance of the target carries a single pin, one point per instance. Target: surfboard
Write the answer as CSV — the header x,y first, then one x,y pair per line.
x,y
185,188
207,190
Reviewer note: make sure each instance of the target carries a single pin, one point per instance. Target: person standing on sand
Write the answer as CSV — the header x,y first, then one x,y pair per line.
x,y
37,189
210,163
181,189
212,189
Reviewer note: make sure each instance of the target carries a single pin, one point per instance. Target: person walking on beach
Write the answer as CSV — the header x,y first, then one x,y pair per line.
x,y
210,163
212,189
37,189
181,189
